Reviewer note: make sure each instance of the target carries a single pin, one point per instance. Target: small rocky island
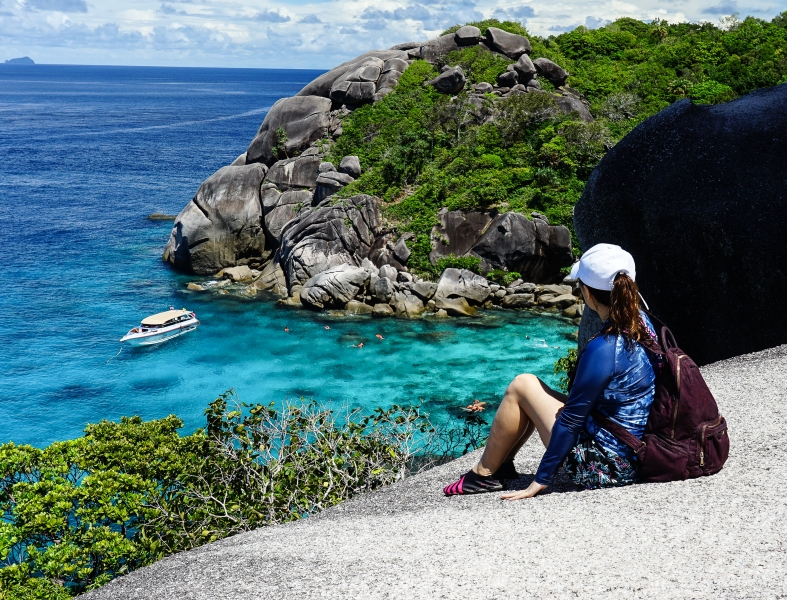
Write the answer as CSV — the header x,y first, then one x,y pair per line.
x,y
25,60
279,220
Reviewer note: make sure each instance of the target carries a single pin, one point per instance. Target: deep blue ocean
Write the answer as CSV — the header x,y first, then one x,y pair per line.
x,y
86,153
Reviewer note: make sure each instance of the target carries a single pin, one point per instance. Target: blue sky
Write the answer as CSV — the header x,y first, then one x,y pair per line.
x,y
296,33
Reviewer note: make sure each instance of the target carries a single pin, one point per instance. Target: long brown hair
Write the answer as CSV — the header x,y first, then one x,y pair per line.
x,y
623,302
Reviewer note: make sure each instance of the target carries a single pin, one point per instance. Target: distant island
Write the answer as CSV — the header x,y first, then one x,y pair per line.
x,y
25,60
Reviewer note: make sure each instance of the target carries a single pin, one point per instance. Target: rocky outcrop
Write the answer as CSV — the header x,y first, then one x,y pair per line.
x,y
469,35
461,283
302,119
699,198
322,85
329,183
222,224
292,141
450,81
350,165
510,44
457,233
271,280
534,248
334,287
435,50
556,74
295,173
326,236
569,104
279,208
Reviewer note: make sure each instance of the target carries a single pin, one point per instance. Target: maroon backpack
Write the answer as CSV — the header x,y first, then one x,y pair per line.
x,y
685,436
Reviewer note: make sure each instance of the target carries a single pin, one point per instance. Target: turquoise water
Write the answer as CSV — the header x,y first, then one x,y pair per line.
x,y
85,154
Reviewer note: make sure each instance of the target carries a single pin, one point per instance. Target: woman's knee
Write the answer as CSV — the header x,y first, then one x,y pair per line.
x,y
524,383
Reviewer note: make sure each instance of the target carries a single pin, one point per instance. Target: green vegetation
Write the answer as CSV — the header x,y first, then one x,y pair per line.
x,y
79,513
423,151
501,277
564,366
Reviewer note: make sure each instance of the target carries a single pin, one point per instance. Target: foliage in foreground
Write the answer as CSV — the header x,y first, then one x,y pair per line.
x,y
423,151
79,513
565,365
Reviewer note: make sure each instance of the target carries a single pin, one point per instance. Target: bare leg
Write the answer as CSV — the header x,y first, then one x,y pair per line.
x,y
528,404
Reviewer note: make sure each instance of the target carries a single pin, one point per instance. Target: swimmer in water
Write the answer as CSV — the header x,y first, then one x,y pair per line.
x,y
286,330
476,406
379,337
327,328
359,345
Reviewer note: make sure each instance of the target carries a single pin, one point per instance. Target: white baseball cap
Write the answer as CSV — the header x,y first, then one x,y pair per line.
x,y
599,266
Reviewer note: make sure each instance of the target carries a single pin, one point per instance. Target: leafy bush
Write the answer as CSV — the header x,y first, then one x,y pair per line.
x,y
501,277
710,92
471,263
564,366
82,512
478,64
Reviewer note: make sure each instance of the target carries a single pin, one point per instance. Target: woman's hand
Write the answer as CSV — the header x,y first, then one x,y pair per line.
x,y
533,489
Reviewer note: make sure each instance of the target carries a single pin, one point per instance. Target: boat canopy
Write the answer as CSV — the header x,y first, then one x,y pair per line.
x,y
164,317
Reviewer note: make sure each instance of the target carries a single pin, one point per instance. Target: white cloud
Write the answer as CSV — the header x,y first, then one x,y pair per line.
x,y
66,6
271,33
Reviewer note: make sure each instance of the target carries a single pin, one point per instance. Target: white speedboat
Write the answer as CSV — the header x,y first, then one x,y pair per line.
x,y
161,327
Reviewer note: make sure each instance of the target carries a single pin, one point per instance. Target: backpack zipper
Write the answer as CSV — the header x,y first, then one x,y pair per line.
x,y
702,443
677,400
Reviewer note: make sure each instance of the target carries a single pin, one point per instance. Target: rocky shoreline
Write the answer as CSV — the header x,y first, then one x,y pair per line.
x,y
275,220
386,292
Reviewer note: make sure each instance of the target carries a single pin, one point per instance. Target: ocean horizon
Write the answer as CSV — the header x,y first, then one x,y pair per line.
x,y
86,154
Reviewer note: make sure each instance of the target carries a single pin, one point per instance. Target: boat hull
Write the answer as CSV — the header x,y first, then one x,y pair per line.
x,y
158,337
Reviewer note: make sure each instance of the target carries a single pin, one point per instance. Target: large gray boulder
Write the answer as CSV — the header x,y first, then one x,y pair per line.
x,y
469,35
271,280
222,224
510,44
525,69
455,283
569,104
295,173
383,289
350,165
334,287
451,81
554,73
321,86
359,84
435,50
329,183
457,233
698,195
383,252
534,249
405,304
328,235
508,79
304,119
280,208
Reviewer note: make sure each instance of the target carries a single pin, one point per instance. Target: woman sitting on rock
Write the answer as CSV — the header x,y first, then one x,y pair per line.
x,y
615,376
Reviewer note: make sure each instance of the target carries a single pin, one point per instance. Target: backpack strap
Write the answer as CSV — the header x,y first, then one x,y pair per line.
x,y
620,432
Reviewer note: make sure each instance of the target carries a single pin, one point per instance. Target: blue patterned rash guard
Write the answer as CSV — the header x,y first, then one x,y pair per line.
x,y
616,380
